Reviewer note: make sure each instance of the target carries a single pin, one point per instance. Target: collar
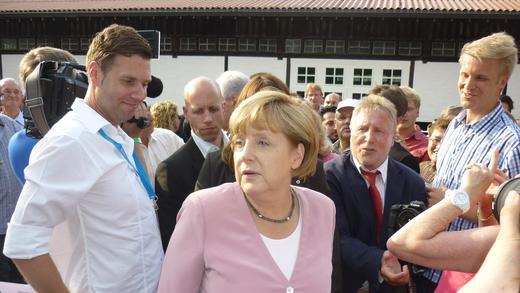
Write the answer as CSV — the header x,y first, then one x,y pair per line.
x,y
207,147
417,134
461,118
19,119
93,121
383,168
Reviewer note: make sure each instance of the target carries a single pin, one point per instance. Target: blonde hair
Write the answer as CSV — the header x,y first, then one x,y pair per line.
x,y
313,86
499,46
374,102
258,82
280,113
165,115
412,95
34,57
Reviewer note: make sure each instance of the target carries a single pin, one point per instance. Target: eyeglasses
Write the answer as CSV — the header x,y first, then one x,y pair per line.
x,y
10,92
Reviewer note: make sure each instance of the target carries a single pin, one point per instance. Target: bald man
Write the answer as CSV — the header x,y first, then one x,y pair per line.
x,y
176,176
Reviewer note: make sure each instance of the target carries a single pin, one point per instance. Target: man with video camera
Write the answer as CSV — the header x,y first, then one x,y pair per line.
x,y
85,220
425,241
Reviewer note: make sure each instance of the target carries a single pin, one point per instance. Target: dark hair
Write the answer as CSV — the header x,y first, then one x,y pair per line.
x,y
507,99
394,94
327,109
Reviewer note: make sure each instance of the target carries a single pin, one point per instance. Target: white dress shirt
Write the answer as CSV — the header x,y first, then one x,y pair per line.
x,y
19,119
163,143
84,204
207,147
380,179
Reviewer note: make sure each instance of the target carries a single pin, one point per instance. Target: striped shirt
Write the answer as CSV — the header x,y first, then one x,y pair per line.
x,y
472,143
9,186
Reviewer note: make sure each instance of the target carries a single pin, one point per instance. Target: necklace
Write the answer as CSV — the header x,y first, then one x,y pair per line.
x,y
282,220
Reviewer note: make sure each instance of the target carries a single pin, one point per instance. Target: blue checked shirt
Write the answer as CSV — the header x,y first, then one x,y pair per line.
x,y
464,144
9,186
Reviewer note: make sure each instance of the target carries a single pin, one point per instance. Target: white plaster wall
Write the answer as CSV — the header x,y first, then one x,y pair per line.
x,y
250,65
176,72
436,83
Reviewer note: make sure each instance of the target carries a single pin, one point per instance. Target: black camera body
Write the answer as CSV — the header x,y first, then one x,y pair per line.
x,y
400,214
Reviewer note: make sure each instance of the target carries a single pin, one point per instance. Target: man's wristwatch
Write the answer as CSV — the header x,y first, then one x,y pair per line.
x,y
459,199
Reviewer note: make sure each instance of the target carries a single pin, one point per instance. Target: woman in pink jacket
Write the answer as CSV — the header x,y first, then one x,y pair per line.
x,y
259,234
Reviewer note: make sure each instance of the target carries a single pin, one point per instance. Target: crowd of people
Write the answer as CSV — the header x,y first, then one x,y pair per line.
x,y
254,189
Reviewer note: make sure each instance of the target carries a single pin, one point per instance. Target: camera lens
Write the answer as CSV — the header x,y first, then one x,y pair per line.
x,y
502,193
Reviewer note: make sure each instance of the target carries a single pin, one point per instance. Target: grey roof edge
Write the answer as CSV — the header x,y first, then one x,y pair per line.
x,y
400,13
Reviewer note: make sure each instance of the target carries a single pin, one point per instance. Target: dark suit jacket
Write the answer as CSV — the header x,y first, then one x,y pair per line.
x,y
174,180
356,222
400,154
215,171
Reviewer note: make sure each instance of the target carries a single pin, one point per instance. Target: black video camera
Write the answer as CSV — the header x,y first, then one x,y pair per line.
x,y
50,91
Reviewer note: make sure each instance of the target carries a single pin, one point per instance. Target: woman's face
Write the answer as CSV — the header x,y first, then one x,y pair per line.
x,y
264,160
434,143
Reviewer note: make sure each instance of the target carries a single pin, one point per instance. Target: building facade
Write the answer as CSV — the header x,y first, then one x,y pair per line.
x,y
345,46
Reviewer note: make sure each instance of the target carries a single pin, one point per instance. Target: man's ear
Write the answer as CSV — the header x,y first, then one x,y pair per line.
x,y
95,73
503,82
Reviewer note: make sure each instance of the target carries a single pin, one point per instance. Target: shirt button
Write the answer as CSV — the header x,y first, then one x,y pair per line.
x,y
289,290
297,182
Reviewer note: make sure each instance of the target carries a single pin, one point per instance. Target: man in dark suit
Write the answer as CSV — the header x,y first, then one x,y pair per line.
x,y
176,176
364,184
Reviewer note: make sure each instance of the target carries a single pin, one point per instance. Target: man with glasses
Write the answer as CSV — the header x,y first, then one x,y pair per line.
x,y
11,98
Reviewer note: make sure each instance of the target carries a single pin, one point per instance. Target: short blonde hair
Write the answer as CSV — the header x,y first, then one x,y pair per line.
x,y
34,57
279,113
374,102
499,46
412,95
165,115
313,87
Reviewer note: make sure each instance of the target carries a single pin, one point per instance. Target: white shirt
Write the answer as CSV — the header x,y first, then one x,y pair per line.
x,y
163,143
19,119
380,179
83,203
285,251
207,147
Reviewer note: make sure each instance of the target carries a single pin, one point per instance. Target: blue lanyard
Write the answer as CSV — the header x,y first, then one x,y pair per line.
x,y
138,169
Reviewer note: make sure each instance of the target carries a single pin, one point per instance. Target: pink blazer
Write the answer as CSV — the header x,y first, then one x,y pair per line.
x,y
216,247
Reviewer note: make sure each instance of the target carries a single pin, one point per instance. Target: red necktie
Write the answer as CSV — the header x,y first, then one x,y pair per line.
x,y
376,199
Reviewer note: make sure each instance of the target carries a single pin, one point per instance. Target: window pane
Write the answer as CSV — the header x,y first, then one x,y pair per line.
x,y
357,80
367,81
339,71
301,70
387,72
310,79
310,70
329,71
301,79
329,80
358,72
339,80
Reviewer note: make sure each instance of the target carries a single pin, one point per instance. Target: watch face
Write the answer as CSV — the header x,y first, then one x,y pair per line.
x,y
460,198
